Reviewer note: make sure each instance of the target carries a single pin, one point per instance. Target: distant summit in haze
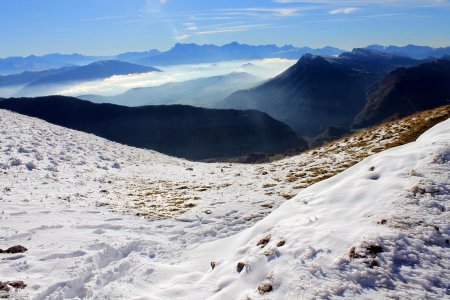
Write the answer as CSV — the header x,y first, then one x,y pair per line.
x,y
17,64
413,51
93,71
194,53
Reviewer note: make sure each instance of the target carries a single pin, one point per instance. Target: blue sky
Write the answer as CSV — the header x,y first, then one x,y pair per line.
x,y
113,26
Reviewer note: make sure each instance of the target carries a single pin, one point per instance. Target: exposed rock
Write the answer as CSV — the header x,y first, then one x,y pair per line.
x,y
213,265
4,287
240,266
14,250
371,250
17,284
264,241
352,253
373,263
374,250
265,288
281,243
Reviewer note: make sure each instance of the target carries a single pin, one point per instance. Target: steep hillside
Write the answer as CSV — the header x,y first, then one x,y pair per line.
x,y
406,91
182,131
77,202
202,92
379,230
319,92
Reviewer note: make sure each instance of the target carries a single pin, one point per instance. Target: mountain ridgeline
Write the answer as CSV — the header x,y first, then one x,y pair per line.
x,y
193,53
179,54
34,82
413,51
406,91
93,71
177,130
320,91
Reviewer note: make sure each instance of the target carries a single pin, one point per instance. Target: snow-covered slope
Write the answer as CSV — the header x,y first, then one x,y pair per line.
x,y
67,196
393,208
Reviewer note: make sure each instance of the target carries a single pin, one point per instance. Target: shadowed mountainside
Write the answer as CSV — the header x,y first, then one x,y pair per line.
x,y
183,131
318,92
406,91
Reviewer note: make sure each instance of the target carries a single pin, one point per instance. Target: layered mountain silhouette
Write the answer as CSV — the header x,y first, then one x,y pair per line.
x,y
183,131
96,70
413,51
318,92
406,91
64,76
203,92
193,53
179,54
29,77
93,71
134,57
17,64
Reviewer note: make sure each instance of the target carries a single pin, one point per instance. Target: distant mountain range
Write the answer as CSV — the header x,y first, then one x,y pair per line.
x,y
413,51
202,92
32,81
30,76
193,53
183,131
17,64
179,54
93,71
318,92
406,91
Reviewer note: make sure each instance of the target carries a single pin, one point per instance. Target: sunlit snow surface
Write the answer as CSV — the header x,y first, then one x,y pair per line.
x,y
67,197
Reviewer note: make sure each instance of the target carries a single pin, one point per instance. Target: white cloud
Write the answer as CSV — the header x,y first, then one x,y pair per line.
x,y
408,3
182,37
234,29
344,10
265,11
191,26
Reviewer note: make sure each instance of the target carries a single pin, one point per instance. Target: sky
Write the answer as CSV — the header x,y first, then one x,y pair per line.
x,y
108,27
